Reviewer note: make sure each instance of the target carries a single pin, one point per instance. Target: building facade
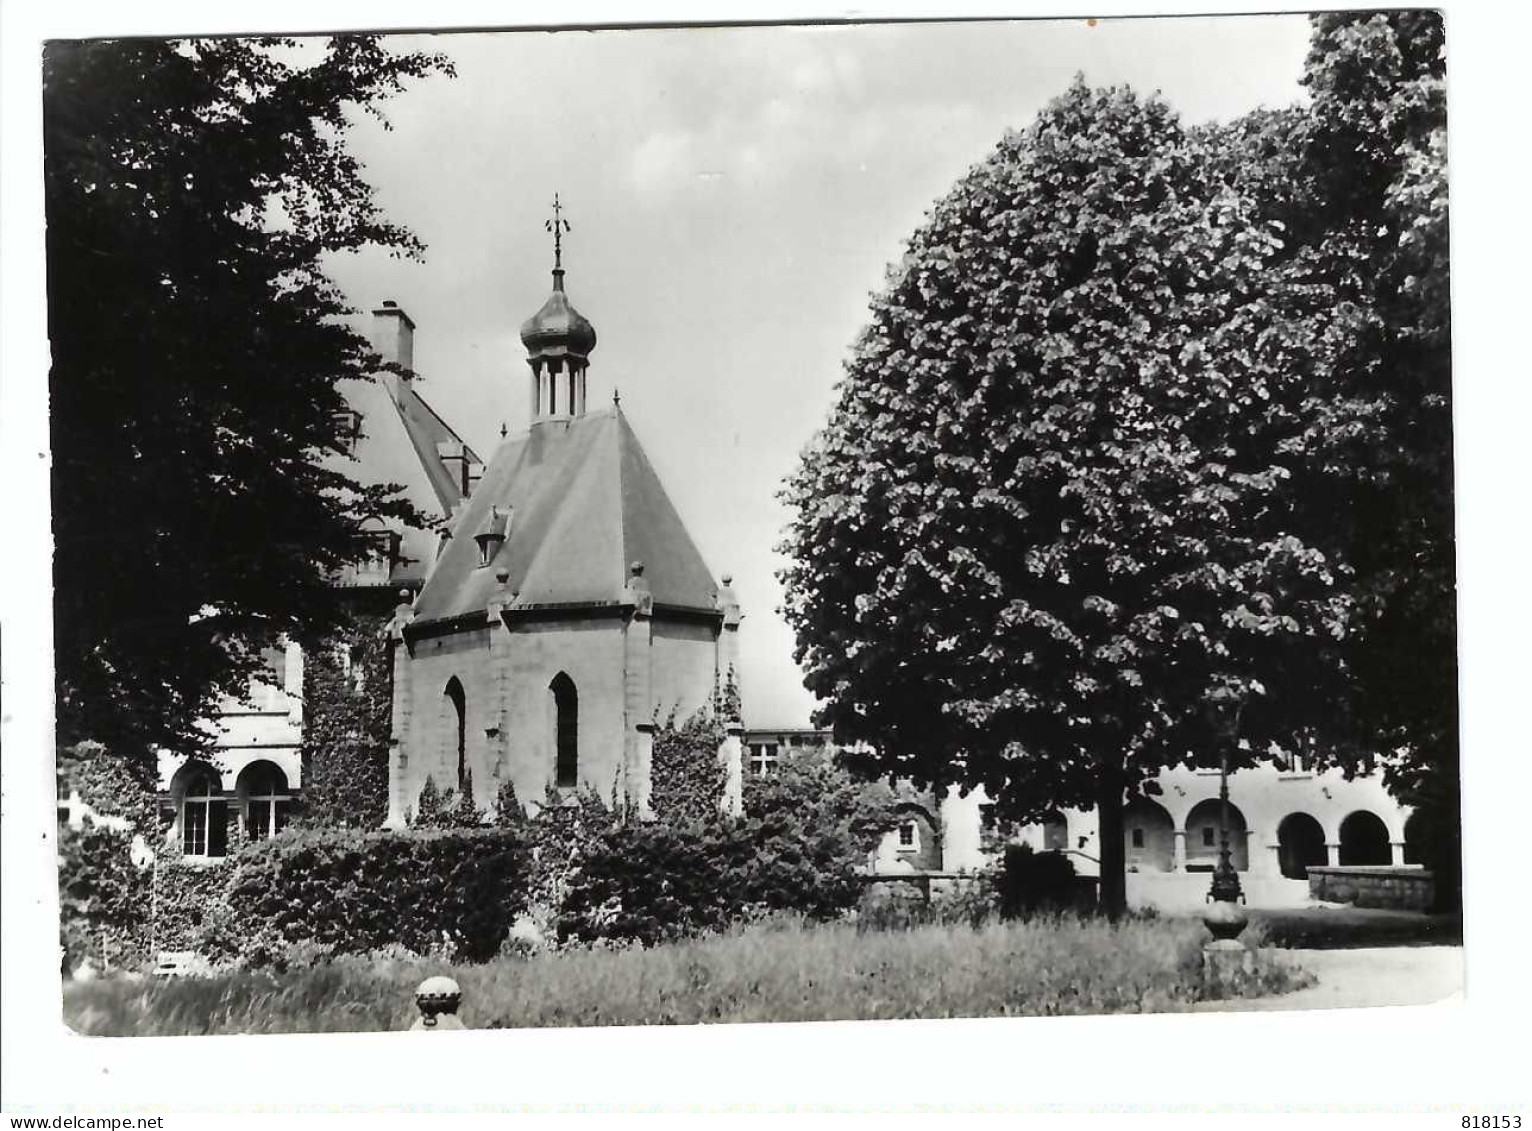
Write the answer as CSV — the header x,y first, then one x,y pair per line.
x,y
569,611
1282,820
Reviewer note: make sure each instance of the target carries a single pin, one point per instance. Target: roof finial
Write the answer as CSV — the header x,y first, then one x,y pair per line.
x,y
558,226
503,430
616,396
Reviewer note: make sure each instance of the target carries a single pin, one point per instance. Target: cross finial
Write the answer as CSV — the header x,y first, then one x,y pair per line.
x,y
558,226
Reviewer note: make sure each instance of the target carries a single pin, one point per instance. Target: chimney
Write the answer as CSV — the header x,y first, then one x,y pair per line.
x,y
393,337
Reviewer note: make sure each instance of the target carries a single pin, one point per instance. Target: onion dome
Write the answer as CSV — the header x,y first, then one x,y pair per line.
x,y
558,328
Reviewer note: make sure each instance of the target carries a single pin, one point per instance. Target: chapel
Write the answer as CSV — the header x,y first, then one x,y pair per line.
x,y
567,613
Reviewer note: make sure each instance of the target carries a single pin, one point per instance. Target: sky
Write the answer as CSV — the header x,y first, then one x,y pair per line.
x,y
735,197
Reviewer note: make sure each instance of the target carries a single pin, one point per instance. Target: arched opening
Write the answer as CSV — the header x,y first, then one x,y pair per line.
x,y
1364,839
1300,845
1203,825
202,812
265,799
458,703
1055,832
566,709
1148,836
913,841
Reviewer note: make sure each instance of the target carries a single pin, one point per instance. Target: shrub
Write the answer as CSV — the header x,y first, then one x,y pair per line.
x,y
1037,881
508,812
347,892
815,790
651,882
894,906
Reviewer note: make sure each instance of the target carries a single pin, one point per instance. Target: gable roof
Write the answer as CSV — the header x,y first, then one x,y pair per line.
x,y
399,443
583,503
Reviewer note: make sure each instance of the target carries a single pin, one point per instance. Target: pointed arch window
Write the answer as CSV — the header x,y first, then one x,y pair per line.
x,y
566,707
458,713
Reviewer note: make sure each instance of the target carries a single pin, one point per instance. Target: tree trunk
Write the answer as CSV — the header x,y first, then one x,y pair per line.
x,y
1109,807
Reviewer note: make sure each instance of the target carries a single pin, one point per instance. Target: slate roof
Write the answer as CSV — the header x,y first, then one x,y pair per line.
x,y
399,444
584,502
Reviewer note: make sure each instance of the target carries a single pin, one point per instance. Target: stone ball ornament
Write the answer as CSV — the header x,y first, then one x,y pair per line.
x,y
438,999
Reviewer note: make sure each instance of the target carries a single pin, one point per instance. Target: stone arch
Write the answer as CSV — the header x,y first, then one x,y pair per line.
x,y
1055,828
566,731
455,710
1148,836
1203,825
1364,839
914,840
1300,845
265,799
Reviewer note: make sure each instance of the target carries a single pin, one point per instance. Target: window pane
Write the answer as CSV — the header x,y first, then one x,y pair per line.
x,y
258,820
217,828
194,828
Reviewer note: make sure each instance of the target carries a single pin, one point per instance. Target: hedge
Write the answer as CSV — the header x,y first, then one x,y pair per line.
x,y
336,891
649,883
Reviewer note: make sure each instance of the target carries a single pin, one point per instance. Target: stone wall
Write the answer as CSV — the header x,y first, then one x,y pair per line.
x,y
1400,888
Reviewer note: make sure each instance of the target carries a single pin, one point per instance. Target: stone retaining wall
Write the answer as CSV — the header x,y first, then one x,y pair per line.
x,y
1401,888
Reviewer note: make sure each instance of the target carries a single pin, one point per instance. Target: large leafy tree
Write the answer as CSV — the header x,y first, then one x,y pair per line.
x,y
192,187
1049,521
1374,154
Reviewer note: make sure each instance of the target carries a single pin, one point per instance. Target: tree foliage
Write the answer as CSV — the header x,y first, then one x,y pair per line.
x,y
192,187
1376,155
1049,517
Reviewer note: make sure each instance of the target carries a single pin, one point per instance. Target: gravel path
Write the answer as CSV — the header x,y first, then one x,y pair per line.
x,y
1366,976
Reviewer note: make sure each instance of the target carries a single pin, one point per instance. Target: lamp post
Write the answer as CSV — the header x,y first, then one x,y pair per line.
x,y
1225,919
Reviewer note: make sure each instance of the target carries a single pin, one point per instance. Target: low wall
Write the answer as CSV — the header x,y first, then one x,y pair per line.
x,y
1402,888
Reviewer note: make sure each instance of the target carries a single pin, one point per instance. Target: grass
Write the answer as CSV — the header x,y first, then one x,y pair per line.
x,y
781,972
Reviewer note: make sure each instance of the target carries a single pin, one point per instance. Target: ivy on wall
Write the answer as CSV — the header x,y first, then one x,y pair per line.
x,y
348,714
188,899
104,899
686,779
111,786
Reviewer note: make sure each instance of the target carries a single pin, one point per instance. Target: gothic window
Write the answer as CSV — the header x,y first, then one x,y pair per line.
x,y
566,707
458,712
204,818
268,803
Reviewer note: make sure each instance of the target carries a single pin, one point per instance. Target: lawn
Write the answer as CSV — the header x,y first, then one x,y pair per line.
x,y
777,972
